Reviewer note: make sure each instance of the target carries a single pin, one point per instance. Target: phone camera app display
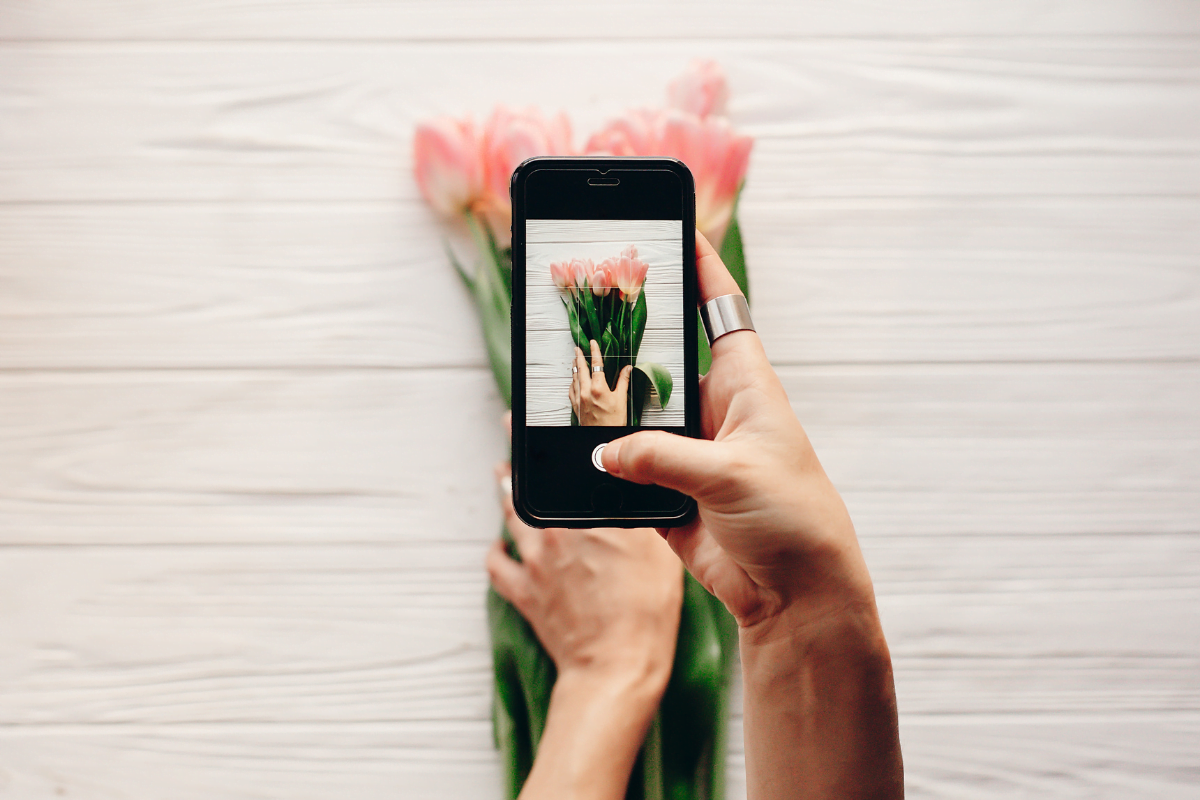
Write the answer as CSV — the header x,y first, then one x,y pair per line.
x,y
604,323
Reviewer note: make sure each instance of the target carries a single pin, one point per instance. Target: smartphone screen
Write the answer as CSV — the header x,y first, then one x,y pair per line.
x,y
604,267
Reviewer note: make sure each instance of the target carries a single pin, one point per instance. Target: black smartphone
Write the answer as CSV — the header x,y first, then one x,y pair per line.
x,y
603,333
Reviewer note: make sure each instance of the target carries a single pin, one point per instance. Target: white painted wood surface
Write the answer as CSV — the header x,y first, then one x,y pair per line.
x,y
246,425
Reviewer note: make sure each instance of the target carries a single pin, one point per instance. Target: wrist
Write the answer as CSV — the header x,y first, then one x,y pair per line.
x,y
819,688
597,721
636,685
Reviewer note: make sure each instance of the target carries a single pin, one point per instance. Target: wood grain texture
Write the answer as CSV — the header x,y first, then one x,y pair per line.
x,y
292,285
325,121
174,457
246,423
658,20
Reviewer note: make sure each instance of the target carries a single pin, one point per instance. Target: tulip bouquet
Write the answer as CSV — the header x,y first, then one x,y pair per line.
x,y
463,172
605,303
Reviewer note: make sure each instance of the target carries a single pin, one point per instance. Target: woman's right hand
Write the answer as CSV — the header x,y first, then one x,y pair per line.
x,y
774,542
591,399
772,532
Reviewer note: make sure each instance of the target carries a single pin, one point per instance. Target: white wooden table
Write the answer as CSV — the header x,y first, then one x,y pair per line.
x,y
246,424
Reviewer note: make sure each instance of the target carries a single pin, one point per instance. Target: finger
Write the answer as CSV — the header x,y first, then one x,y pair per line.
x,y
695,467
573,393
597,357
623,380
527,539
508,424
714,279
508,577
582,372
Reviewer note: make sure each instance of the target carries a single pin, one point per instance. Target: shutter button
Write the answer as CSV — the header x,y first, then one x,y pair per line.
x,y
596,462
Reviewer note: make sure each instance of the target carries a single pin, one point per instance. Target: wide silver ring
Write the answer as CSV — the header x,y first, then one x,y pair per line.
x,y
597,369
574,369
725,314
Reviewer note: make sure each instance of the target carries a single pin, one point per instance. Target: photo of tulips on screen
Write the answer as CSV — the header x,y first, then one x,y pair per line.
x,y
604,323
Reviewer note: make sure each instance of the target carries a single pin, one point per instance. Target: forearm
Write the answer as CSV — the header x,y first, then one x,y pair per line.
x,y
820,708
594,730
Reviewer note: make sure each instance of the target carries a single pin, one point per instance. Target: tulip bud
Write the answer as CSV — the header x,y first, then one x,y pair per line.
x,y
602,279
447,164
701,90
581,271
560,273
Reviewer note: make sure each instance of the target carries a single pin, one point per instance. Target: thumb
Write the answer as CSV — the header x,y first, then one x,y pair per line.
x,y
691,466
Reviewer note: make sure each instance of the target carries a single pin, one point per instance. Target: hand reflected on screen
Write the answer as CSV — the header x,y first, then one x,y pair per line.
x,y
591,399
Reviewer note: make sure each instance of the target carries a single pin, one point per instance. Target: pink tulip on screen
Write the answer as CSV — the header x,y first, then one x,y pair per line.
x,y
602,278
630,273
560,273
448,168
581,271
701,90
510,137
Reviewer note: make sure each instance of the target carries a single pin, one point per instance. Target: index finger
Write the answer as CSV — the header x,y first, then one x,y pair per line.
x,y
711,273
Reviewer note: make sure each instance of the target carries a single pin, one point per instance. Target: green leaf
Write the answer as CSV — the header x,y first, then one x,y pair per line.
x,y
593,319
703,351
660,379
638,323
639,387
734,257
609,348
576,330
732,254
493,298
458,267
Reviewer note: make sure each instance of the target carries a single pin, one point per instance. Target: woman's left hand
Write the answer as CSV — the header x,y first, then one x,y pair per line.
x,y
602,600
605,604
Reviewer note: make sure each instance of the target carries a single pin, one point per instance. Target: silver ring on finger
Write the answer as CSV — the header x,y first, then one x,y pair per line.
x,y
725,314
597,369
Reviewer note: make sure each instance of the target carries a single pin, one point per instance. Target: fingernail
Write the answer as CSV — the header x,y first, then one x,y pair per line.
x,y
506,484
610,456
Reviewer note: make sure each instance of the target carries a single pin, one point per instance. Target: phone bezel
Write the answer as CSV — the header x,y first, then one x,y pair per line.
x,y
576,208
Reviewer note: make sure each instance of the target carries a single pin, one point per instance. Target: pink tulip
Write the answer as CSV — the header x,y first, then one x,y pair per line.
x,y
635,134
447,164
717,156
582,270
718,159
560,273
701,90
630,273
508,139
602,279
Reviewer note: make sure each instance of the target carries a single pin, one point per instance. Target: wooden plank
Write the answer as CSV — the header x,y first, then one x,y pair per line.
x,y
246,761
855,118
239,663
238,456
380,455
387,634
1042,278
369,284
1107,759
411,20
1110,757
